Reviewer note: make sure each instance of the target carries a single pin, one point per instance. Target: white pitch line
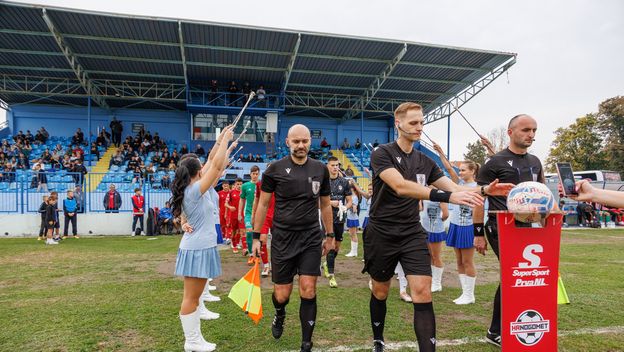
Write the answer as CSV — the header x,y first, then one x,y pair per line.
x,y
394,346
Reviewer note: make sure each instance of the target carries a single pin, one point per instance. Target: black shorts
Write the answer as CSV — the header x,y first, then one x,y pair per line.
x,y
49,226
295,253
383,249
57,224
339,230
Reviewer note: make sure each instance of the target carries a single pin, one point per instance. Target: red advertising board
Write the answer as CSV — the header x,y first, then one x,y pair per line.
x,y
529,260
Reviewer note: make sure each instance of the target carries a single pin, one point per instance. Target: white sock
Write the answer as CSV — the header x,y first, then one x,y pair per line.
x,y
354,247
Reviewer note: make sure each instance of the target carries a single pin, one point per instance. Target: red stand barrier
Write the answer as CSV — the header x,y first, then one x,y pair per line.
x,y
529,261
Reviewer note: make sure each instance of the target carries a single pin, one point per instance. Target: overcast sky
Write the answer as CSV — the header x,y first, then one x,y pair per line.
x,y
570,53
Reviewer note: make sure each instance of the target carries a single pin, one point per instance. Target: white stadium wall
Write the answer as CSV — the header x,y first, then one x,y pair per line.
x,y
27,225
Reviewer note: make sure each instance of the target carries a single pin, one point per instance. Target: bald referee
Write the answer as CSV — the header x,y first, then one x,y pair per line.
x,y
514,165
394,233
300,185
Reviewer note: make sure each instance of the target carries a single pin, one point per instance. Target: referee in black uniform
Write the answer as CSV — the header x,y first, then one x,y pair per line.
x,y
394,233
301,186
512,165
340,195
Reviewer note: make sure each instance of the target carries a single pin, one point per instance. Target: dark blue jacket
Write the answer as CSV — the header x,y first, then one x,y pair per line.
x,y
70,205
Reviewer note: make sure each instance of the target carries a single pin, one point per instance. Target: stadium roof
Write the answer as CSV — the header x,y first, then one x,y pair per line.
x,y
55,55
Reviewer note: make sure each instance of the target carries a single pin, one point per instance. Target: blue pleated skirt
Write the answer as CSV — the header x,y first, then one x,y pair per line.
x,y
353,223
219,234
460,236
365,222
202,263
435,237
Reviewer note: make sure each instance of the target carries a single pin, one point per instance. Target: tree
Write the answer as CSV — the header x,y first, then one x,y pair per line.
x,y
476,152
580,144
499,138
611,119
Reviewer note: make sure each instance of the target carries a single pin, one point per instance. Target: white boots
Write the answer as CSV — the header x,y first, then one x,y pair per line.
x,y
194,341
436,278
354,250
205,314
207,296
468,285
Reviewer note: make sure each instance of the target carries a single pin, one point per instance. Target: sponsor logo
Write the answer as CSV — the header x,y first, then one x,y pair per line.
x,y
398,159
510,162
288,170
529,327
316,187
421,179
529,273
311,322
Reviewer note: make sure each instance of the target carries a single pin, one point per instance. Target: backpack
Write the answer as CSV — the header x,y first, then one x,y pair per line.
x,y
150,228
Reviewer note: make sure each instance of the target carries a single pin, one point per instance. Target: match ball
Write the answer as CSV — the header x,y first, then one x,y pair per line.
x,y
530,202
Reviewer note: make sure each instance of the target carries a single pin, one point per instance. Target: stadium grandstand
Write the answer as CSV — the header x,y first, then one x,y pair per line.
x,y
184,80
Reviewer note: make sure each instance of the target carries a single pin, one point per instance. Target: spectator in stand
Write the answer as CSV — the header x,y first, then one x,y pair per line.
x,y
165,218
325,144
80,172
148,136
172,166
358,144
138,176
8,172
70,208
214,90
246,91
112,200
232,94
345,144
156,140
258,159
199,150
117,159
42,212
165,160
138,210
78,152
77,139
376,144
19,135
133,163
40,180
349,171
261,96
95,151
116,128
29,137
46,157
22,162
101,140
149,173
27,148
165,181
184,149
175,157
146,145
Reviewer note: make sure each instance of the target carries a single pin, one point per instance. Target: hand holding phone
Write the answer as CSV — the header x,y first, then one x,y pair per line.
x,y
566,178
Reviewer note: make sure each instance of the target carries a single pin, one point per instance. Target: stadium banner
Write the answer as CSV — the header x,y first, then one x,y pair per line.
x,y
529,260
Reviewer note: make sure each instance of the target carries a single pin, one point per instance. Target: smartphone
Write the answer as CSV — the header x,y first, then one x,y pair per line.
x,y
566,178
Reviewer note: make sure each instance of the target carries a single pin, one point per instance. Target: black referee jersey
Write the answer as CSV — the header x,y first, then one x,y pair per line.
x,y
509,167
388,210
297,189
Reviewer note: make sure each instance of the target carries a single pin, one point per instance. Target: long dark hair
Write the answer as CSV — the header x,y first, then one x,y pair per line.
x,y
188,168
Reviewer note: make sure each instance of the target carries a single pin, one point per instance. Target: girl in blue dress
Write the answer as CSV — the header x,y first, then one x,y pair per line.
x,y
198,258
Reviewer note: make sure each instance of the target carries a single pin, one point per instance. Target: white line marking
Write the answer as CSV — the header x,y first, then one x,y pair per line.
x,y
394,346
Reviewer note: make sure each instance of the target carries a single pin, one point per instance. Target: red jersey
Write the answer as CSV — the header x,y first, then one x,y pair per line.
x,y
222,199
233,200
271,207
138,203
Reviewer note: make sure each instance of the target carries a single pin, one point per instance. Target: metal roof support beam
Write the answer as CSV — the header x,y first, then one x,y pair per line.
x,y
83,77
370,92
324,86
445,109
291,63
4,105
182,54
68,70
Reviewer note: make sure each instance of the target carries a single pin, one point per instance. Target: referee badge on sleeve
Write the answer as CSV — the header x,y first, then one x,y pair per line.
x,y
421,179
316,187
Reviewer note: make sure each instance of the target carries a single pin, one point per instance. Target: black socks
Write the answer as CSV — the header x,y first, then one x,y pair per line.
x,y
280,308
424,326
307,315
331,260
378,317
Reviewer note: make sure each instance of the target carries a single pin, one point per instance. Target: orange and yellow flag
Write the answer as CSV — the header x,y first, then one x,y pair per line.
x,y
246,293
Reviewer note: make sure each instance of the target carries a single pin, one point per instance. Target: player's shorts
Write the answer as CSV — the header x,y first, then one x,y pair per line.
x,y
295,253
266,227
435,237
383,249
248,221
338,231
49,226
